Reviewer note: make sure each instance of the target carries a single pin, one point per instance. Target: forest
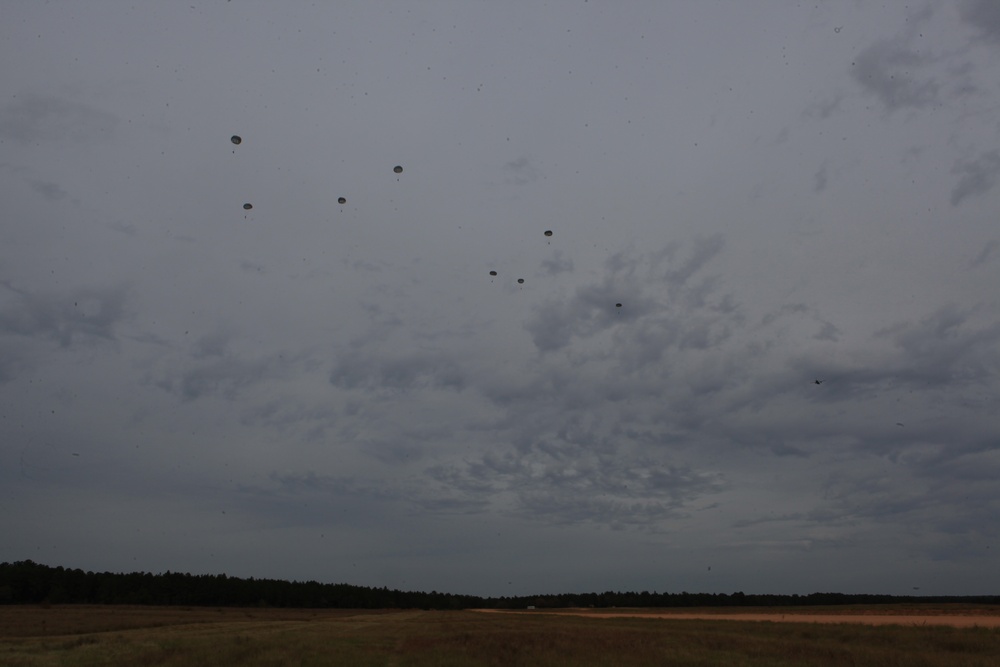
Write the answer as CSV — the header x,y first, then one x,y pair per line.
x,y
27,582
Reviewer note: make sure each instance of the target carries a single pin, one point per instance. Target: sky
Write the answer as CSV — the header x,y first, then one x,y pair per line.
x,y
796,206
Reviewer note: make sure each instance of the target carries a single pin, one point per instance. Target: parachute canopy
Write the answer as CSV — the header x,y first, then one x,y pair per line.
x,y
247,206
618,305
520,280
342,200
548,232
236,139
398,169
493,273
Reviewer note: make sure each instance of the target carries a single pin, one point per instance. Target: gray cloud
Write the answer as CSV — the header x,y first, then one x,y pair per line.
x,y
946,347
49,191
521,171
224,377
824,108
891,71
910,491
213,368
820,178
293,417
211,345
557,264
791,312
984,17
13,359
83,315
986,254
379,493
299,483
35,117
656,290
397,372
322,391
828,331
977,177
567,482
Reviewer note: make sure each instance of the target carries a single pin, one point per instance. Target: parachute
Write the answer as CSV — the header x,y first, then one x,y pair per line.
x,y
520,281
247,206
493,273
236,139
398,169
548,232
618,305
342,200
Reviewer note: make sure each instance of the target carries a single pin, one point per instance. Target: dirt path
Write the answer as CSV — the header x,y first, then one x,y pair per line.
x,y
958,620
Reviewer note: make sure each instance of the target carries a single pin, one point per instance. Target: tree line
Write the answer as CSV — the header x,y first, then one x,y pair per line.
x,y
27,582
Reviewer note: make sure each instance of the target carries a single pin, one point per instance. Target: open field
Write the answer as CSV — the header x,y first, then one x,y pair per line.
x,y
958,616
118,635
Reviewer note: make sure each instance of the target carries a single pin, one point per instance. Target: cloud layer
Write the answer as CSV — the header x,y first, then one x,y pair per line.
x,y
763,333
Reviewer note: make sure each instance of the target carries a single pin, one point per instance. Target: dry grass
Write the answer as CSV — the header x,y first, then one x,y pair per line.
x,y
154,636
43,620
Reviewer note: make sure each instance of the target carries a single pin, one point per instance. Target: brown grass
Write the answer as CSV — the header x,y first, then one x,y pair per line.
x,y
48,620
155,636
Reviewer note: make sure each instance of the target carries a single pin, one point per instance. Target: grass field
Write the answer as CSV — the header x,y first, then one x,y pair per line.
x,y
116,635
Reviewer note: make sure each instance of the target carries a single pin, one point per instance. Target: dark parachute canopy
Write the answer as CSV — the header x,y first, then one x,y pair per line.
x,y
342,200
548,232
520,281
493,273
618,305
247,206
398,169
236,139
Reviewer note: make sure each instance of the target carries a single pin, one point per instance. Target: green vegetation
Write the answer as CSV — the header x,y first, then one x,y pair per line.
x,y
154,636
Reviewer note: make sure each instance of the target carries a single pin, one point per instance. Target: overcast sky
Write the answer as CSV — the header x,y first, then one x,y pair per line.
x,y
776,195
